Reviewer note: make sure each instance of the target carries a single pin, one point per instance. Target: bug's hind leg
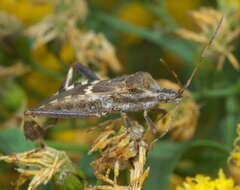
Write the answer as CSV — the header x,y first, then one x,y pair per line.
x,y
79,69
90,75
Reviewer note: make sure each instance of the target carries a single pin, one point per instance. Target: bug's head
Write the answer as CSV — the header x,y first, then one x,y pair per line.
x,y
166,95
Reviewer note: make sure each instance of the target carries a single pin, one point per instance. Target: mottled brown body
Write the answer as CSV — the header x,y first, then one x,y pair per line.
x,y
128,93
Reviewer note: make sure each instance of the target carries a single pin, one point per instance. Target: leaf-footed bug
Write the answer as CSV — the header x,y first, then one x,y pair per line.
x,y
127,93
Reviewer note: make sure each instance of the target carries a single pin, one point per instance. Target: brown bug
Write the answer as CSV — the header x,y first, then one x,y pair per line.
x,y
127,93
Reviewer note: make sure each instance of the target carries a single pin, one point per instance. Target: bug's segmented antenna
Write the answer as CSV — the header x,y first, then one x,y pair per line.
x,y
203,52
180,84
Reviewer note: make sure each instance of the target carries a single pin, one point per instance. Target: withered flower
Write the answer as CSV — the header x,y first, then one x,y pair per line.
x,y
90,47
223,45
15,70
8,24
56,25
181,120
41,164
122,148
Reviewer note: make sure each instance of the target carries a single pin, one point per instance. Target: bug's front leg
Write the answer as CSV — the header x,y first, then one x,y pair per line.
x,y
126,120
161,111
150,123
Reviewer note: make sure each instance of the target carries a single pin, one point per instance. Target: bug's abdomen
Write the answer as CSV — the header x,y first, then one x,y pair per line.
x,y
130,103
74,104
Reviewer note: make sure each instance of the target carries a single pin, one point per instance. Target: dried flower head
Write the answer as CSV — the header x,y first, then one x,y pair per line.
x,y
42,164
205,182
181,120
93,48
88,47
15,70
56,25
223,45
8,24
121,148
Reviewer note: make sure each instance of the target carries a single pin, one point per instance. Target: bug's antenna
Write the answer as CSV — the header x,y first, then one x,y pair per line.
x,y
203,52
172,72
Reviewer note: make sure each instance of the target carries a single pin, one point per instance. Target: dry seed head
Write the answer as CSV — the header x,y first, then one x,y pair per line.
x,y
121,148
223,45
9,25
90,47
58,24
44,164
15,70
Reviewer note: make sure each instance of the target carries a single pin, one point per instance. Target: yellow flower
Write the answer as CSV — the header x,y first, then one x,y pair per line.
x,y
67,53
179,10
25,11
40,82
135,13
201,182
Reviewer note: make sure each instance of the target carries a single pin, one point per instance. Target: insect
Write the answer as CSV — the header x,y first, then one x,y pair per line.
x,y
97,98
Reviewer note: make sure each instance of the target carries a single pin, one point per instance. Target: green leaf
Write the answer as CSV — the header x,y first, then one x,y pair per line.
x,y
231,120
13,141
163,159
71,182
13,102
179,47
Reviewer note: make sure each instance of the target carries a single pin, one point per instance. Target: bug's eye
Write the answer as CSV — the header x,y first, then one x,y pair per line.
x,y
158,90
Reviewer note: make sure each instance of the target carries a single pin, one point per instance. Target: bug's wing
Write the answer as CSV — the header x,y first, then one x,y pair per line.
x,y
64,104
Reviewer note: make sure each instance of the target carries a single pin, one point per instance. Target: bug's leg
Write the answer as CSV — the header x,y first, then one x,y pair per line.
x,y
150,123
163,114
79,69
51,123
60,114
161,111
126,120
90,75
